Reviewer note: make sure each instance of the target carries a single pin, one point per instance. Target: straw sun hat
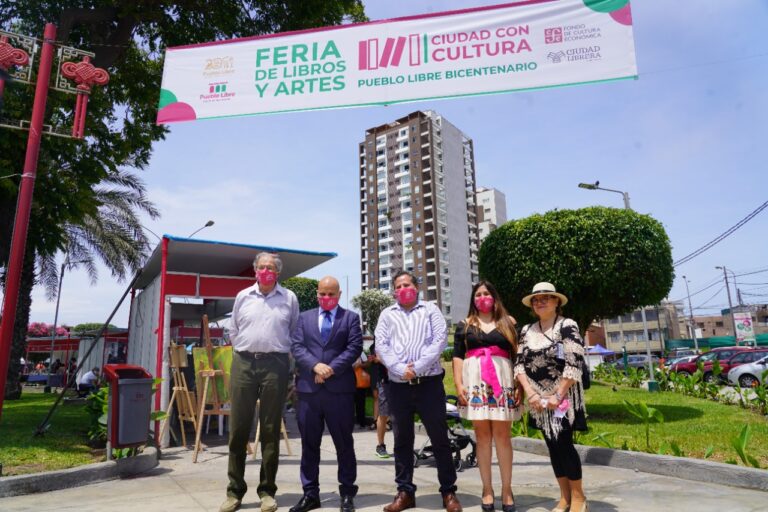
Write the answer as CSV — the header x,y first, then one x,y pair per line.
x,y
544,289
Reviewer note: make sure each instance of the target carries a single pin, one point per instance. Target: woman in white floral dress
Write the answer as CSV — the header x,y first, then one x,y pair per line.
x,y
548,368
485,346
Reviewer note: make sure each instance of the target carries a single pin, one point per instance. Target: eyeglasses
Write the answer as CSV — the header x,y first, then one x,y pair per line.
x,y
541,300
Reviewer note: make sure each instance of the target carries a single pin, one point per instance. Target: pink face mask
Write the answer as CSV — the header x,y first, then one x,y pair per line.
x,y
266,276
406,295
484,304
328,303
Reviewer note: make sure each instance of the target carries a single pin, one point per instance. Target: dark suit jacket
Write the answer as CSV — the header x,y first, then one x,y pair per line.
x,y
341,351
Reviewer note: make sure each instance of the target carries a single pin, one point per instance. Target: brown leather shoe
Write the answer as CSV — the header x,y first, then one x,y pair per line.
x,y
403,501
451,502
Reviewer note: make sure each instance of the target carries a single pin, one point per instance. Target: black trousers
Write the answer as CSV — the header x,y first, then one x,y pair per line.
x,y
428,400
563,455
360,417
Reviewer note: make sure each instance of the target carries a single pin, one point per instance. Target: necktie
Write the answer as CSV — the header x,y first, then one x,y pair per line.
x,y
325,330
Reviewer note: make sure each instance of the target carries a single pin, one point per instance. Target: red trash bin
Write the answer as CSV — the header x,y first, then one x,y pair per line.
x,y
129,406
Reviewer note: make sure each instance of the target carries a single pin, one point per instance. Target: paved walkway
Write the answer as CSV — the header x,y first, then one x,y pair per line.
x,y
178,484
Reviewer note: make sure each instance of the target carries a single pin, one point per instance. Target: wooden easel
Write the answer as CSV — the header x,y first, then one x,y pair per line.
x,y
255,446
208,377
182,397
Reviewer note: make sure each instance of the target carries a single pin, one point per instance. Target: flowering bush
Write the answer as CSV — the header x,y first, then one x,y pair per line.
x,y
40,329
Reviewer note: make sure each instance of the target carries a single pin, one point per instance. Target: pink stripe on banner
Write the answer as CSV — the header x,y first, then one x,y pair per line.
x,y
362,55
373,54
398,51
384,62
414,49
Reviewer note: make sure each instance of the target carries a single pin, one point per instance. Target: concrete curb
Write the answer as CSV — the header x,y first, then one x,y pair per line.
x,y
81,475
679,467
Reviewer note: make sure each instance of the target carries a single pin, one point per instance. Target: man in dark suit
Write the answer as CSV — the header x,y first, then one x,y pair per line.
x,y
327,341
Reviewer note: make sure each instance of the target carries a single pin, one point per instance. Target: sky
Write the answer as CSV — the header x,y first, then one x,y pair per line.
x,y
687,141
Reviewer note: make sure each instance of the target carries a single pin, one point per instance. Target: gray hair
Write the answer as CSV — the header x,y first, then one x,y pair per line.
x,y
273,255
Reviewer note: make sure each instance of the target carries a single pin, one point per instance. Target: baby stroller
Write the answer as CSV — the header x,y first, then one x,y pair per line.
x,y
458,437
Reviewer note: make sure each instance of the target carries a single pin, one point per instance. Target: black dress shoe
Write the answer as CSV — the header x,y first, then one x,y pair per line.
x,y
347,504
305,504
487,507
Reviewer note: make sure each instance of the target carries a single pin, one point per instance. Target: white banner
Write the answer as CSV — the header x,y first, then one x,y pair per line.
x,y
511,47
745,331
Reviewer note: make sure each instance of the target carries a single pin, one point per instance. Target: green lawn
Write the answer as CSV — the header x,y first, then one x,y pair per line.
x,y
694,424
63,446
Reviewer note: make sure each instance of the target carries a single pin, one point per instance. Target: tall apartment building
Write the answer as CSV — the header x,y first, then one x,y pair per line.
x,y
418,209
491,210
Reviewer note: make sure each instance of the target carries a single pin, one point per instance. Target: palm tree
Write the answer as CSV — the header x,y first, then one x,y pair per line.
x,y
112,234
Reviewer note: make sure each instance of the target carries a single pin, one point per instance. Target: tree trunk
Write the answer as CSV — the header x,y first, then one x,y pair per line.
x,y
19,343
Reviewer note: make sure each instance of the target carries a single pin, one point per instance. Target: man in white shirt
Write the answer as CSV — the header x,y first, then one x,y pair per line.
x,y
88,382
410,338
263,319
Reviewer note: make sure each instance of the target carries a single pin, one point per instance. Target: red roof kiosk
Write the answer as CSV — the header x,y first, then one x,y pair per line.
x,y
187,278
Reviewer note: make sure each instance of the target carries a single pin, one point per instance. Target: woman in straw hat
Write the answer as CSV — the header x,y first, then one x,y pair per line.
x,y
485,344
548,368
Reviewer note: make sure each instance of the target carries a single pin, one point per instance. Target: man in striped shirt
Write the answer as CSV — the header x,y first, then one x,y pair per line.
x,y
410,339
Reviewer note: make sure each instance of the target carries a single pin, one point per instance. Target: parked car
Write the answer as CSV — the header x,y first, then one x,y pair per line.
x,y
677,354
636,361
683,359
748,375
739,358
720,353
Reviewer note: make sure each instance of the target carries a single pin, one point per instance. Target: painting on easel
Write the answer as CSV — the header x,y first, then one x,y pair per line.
x,y
222,360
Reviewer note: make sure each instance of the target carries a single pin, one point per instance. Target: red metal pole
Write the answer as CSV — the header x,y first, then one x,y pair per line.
x,y
21,225
3,39
161,331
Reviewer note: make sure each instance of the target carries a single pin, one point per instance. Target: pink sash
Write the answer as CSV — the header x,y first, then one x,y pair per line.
x,y
487,370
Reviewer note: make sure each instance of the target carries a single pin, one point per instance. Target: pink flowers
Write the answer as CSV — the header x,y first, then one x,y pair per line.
x,y
41,329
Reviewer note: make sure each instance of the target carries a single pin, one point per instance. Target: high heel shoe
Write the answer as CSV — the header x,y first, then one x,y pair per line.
x,y
584,508
489,507
509,508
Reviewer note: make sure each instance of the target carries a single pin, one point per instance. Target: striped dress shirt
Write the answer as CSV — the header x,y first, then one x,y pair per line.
x,y
418,336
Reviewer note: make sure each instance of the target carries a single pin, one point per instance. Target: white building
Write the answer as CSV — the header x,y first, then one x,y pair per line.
x,y
491,210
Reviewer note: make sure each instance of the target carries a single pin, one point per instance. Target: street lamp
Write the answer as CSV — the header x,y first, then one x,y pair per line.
x,y
207,225
64,266
652,386
730,304
151,232
596,186
693,324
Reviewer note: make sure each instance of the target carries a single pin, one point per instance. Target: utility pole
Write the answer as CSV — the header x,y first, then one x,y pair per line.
x,y
652,386
692,323
730,303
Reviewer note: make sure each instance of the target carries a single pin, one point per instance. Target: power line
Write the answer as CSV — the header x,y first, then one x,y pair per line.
x,y
705,64
715,282
712,297
722,236
754,272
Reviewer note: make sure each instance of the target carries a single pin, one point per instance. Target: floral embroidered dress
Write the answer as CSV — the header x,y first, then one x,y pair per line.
x,y
546,358
492,397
